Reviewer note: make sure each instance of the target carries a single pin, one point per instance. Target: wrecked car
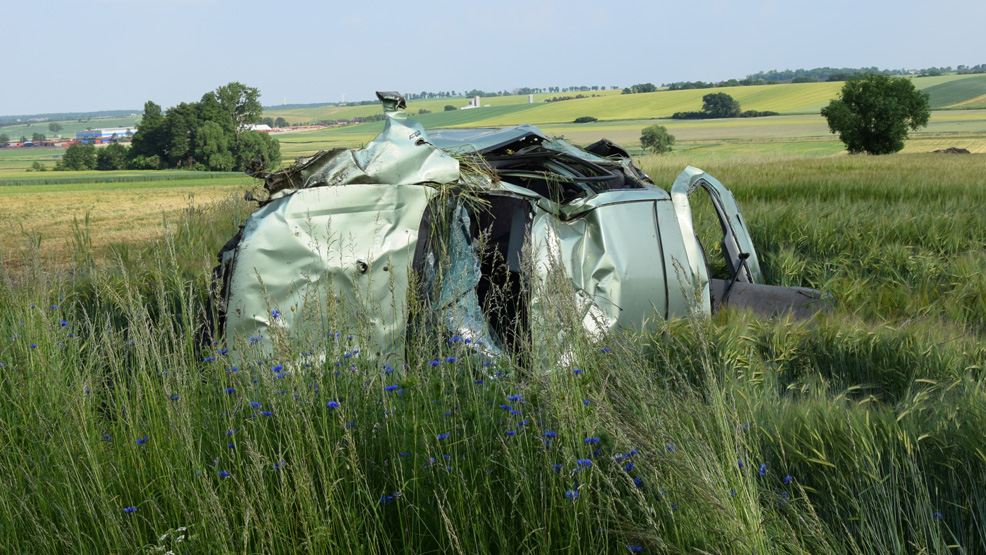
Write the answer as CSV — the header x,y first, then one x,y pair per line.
x,y
482,234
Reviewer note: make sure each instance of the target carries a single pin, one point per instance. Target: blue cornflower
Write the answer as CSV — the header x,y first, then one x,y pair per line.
x,y
628,467
386,498
222,351
670,448
936,515
606,350
256,339
208,359
511,432
572,494
506,407
174,397
230,390
732,493
63,323
275,314
584,462
278,465
549,433
332,404
231,445
556,467
255,404
223,474
449,359
267,413
34,345
231,432
634,548
788,479
523,422
586,402
478,382
740,463
763,469
392,388
54,307
278,368
638,482
577,371
513,397
142,440
442,436
130,510
591,440
435,362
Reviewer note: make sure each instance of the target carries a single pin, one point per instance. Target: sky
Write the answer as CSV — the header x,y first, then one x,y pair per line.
x,y
92,55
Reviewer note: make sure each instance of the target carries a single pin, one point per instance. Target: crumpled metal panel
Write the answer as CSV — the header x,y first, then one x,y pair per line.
x,y
308,253
400,155
626,259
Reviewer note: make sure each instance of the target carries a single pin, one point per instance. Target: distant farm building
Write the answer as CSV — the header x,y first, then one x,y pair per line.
x,y
103,135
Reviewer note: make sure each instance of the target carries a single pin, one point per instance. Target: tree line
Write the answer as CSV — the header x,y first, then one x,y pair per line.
x,y
211,134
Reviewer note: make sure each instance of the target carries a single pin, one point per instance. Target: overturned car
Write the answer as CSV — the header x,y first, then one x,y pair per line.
x,y
486,235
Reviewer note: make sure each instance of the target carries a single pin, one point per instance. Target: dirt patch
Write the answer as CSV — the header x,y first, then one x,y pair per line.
x,y
951,150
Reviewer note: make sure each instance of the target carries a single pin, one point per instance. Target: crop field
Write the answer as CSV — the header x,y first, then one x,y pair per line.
x,y
126,429
799,98
56,213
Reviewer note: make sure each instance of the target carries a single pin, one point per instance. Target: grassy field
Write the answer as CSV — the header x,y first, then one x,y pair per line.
x,y
860,432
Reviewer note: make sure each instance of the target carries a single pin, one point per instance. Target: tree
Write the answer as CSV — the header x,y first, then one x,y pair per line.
x,y
78,158
268,121
38,137
255,145
280,122
4,139
873,113
54,127
112,157
657,139
720,105
585,119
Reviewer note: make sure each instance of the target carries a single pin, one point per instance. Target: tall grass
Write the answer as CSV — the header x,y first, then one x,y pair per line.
x,y
860,432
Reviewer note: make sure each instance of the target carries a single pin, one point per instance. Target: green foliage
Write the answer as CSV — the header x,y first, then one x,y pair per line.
x,y
38,166
209,134
657,139
54,127
640,88
450,108
38,137
4,139
874,113
111,157
720,105
77,158
585,119
281,122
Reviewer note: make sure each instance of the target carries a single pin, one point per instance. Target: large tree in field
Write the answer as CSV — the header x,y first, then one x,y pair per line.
x,y
720,105
874,112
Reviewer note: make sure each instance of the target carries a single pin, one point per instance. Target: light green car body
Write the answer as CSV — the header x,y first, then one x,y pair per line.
x,y
414,228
